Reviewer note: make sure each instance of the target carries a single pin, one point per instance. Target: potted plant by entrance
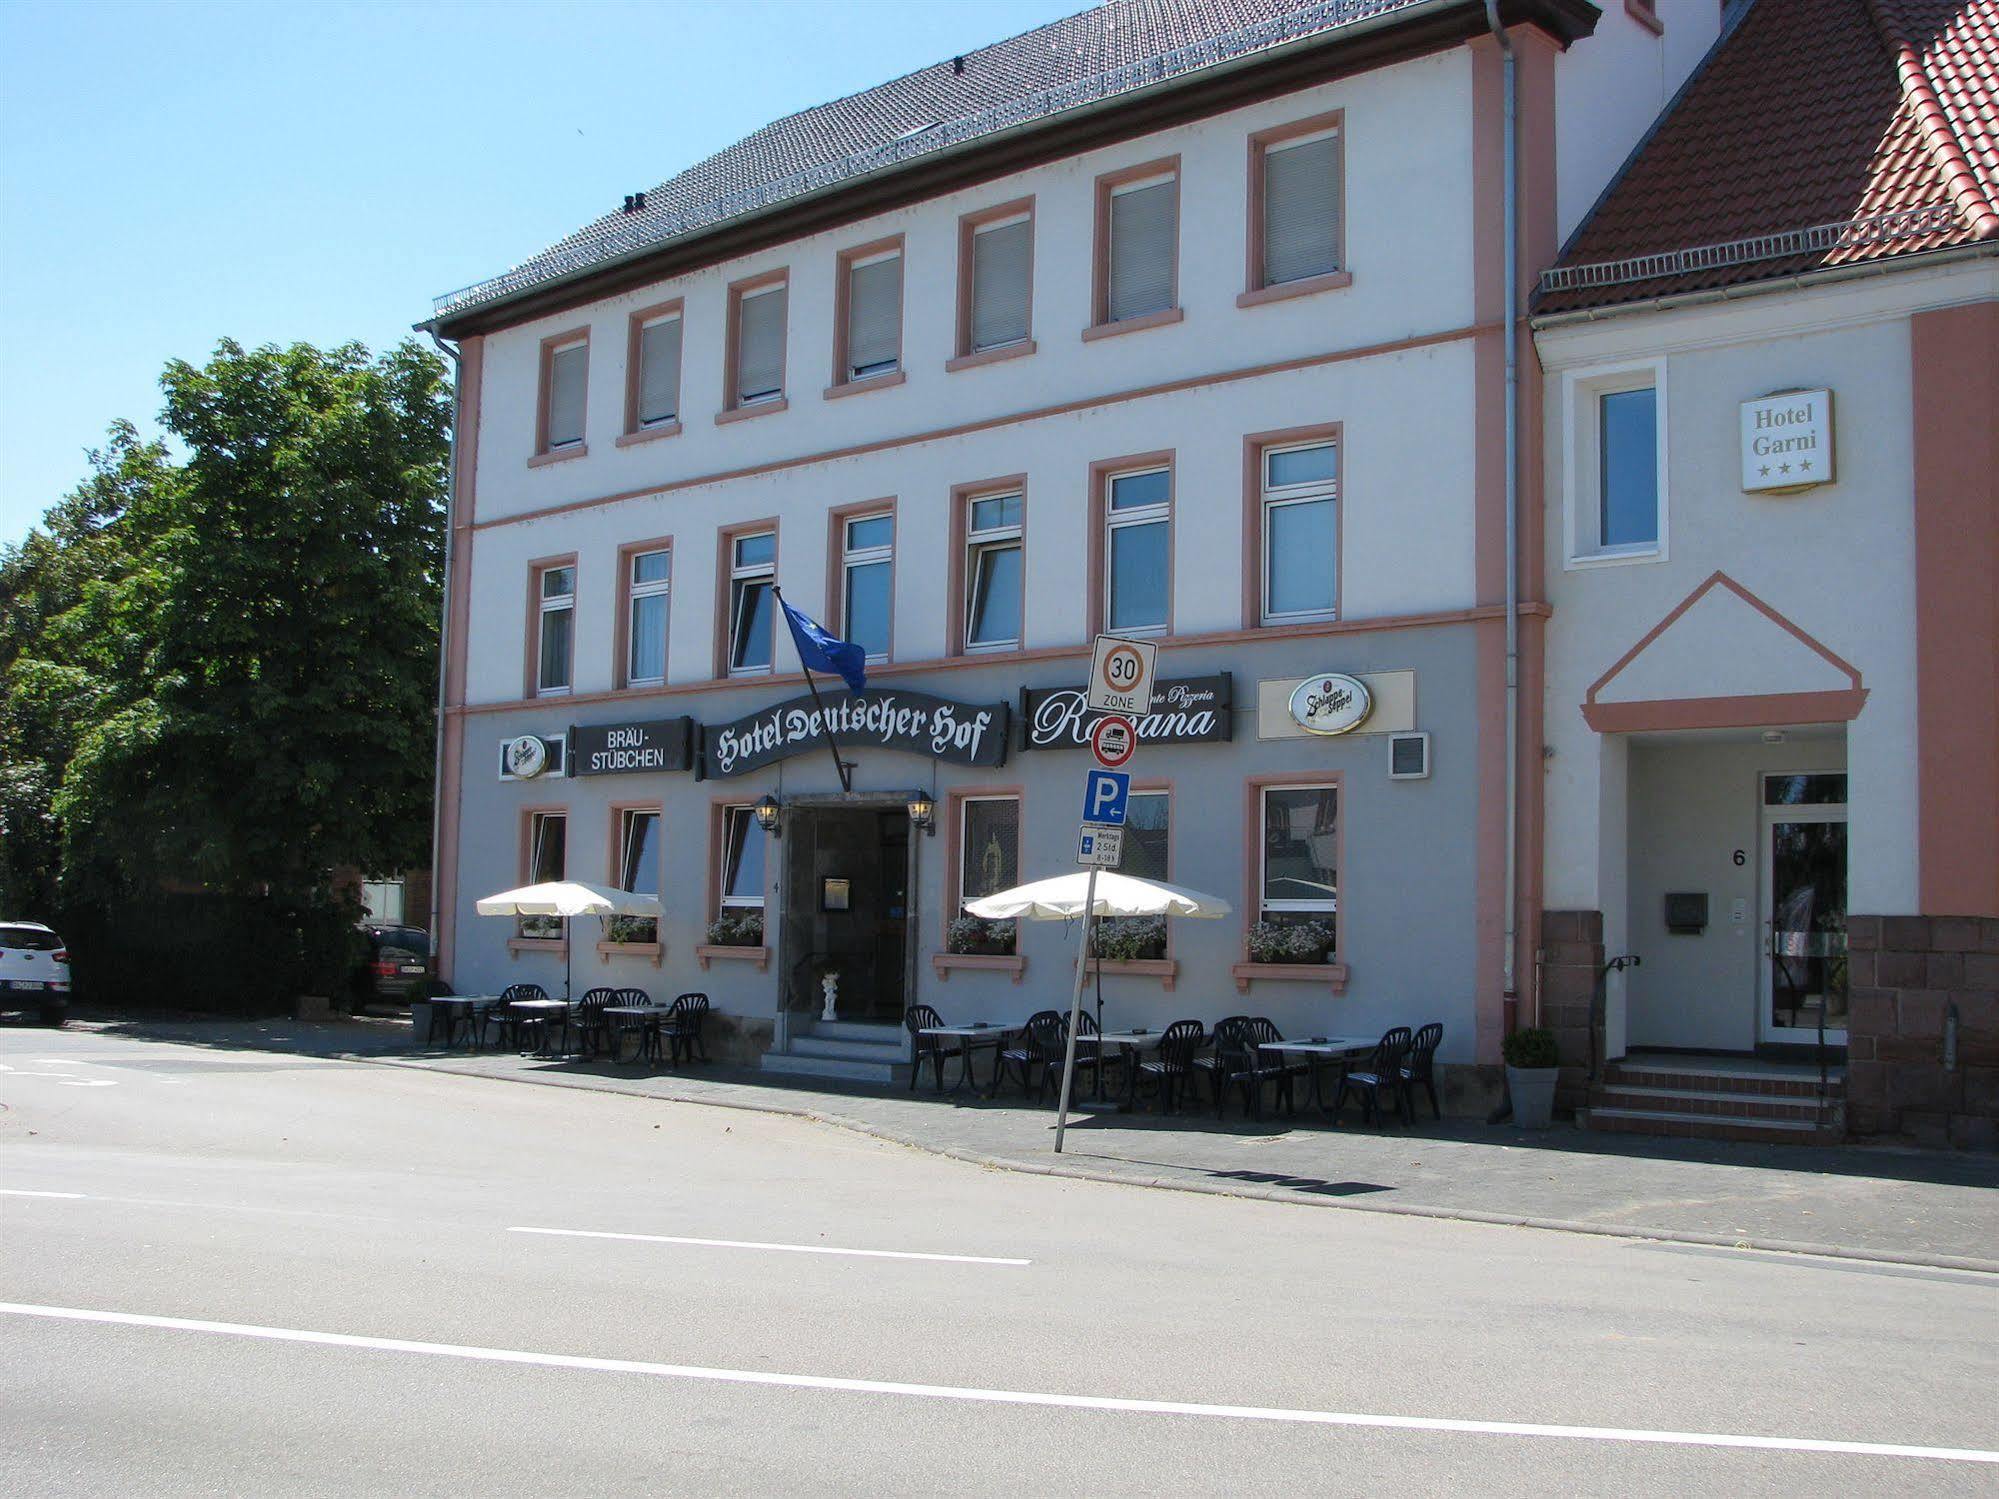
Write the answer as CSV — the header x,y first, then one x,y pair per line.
x,y
1532,1066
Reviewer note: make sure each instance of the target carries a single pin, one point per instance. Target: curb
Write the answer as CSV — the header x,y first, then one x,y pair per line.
x,y
1257,1193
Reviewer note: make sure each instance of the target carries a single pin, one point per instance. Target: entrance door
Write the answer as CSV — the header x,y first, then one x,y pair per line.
x,y
1804,917
846,910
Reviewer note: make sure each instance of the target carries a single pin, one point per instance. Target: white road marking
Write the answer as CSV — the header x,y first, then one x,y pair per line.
x,y
24,1192
1007,1397
872,1254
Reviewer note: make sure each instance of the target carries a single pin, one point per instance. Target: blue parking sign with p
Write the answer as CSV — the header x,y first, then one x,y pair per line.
x,y
1104,796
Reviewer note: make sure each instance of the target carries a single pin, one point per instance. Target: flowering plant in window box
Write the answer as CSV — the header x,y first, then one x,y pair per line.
x,y
970,934
628,929
1131,938
744,928
540,928
1300,942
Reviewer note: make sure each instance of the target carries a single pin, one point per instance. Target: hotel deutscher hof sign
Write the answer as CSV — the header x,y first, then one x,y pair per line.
x,y
1191,710
914,722
1787,442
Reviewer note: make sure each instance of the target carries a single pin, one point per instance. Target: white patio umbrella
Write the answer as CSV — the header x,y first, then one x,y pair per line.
x,y
567,898
1097,893
1063,897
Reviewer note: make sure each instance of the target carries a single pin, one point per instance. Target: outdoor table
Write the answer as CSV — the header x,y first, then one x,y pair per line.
x,y
651,1013
538,1013
449,1011
979,1032
1319,1050
1132,1042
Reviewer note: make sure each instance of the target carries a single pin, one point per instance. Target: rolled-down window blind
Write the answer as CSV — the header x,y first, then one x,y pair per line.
x,y
1143,231
874,317
659,372
566,369
1000,267
1301,210
760,345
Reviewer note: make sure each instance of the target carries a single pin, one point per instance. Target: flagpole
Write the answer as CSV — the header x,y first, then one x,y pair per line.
x,y
825,724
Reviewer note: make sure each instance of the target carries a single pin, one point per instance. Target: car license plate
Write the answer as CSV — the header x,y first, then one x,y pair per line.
x,y
34,985
412,968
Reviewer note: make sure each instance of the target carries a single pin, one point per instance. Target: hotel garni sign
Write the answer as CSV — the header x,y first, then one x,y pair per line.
x,y
1787,441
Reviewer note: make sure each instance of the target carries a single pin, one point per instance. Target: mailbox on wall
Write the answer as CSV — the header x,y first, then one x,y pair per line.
x,y
1686,912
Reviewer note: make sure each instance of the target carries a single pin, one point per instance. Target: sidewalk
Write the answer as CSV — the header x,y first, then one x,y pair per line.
x,y
1864,1201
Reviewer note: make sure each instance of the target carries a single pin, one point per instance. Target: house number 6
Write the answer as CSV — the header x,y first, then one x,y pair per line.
x,y
1741,858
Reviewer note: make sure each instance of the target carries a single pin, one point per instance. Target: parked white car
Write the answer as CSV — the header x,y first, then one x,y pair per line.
x,y
34,971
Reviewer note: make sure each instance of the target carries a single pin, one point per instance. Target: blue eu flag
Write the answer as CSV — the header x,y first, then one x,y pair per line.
x,y
821,650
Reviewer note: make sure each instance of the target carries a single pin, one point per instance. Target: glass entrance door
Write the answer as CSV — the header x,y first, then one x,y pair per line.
x,y
1804,920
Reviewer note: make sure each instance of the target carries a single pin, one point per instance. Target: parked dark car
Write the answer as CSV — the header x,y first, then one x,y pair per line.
x,y
397,968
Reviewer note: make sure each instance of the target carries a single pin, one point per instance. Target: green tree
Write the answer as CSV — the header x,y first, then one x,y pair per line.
x,y
217,670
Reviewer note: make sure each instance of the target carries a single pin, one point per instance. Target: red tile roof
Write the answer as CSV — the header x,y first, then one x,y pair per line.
x,y
1817,133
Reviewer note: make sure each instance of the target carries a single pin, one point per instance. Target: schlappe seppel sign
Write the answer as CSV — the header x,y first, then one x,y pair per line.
x,y
914,722
1189,710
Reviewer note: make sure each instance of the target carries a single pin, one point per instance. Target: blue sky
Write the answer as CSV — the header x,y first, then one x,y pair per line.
x,y
171,175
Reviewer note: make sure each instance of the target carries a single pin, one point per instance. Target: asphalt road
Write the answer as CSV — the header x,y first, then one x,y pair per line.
x,y
239,1273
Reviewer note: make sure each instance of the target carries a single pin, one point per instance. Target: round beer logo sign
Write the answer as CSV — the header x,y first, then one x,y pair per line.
x,y
1331,704
527,756
1112,741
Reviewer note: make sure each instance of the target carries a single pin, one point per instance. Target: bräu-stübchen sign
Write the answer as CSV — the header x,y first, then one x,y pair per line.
x,y
1190,710
913,722
612,748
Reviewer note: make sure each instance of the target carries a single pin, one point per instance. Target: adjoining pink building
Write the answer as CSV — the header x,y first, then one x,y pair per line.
x,y
1771,365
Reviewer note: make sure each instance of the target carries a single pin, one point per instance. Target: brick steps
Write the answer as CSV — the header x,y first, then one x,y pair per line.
x,y
1688,1100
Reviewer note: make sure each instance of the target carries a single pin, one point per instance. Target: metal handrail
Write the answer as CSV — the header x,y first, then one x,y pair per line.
x,y
1600,1006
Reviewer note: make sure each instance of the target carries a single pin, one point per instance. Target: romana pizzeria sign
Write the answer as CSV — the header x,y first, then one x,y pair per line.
x,y
913,722
1191,710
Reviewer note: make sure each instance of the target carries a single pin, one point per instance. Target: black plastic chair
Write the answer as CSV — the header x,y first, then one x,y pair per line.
x,y
1380,1075
617,1027
1171,1069
936,1050
1023,1056
1209,1064
508,1022
1420,1067
681,1029
591,1031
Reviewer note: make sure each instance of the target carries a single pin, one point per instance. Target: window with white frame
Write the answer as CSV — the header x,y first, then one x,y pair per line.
x,y
742,860
1616,470
760,315
548,861
1146,835
565,380
988,846
647,585
383,901
993,571
659,372
1137,525
555,648
1299,872
867,574
1299,187
1143,227
1000,296
1301,532
873,335
752,574
638,867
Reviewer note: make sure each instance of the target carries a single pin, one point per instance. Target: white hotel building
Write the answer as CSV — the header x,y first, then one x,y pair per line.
x,y
1178,318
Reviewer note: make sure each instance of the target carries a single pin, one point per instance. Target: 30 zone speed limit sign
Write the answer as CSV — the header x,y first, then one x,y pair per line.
x,y
1121,676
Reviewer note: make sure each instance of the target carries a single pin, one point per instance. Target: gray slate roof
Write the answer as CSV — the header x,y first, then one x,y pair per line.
x,y
1096,54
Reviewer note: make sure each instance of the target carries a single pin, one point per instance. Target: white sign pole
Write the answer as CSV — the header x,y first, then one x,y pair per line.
x,y
1076,1007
